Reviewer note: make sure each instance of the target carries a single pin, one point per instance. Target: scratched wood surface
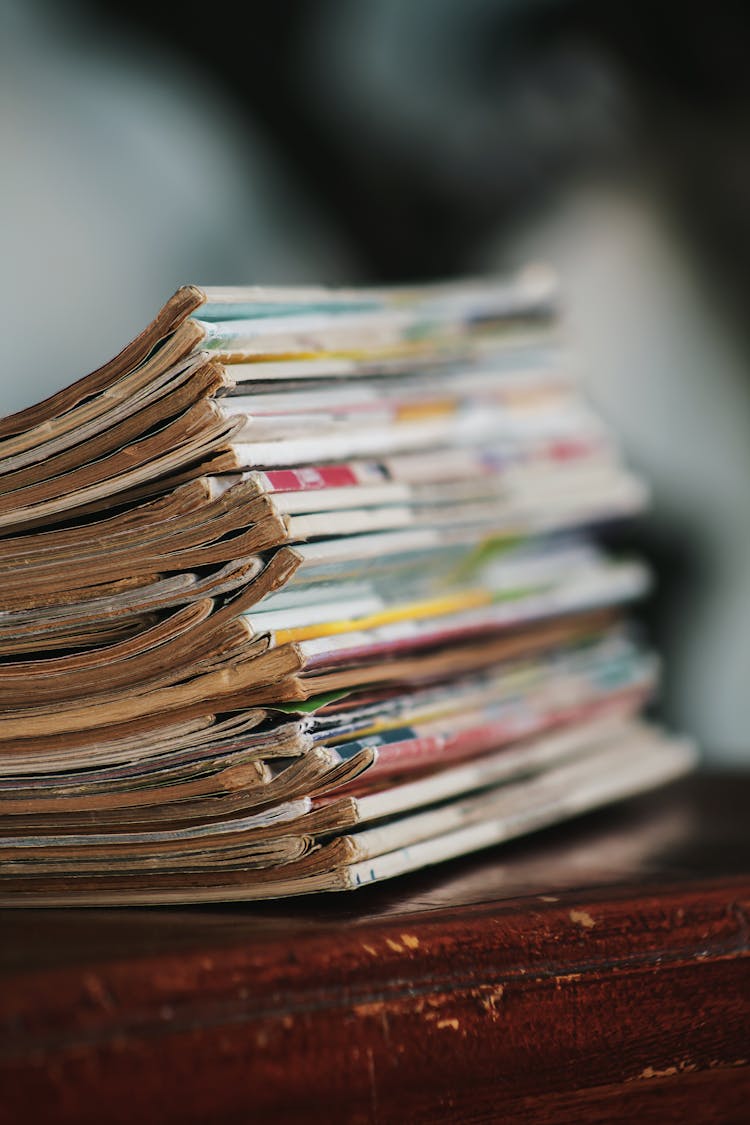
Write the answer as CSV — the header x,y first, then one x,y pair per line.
x,y
597,973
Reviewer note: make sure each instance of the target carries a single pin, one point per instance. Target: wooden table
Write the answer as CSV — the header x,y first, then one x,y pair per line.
x,y
598,972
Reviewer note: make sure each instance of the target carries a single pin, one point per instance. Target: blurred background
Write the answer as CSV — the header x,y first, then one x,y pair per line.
x,y
147,145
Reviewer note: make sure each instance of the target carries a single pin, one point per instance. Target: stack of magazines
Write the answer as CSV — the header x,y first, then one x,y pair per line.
x,y
302,591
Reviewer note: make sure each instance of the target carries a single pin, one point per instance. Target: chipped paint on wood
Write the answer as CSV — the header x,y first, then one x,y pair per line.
x,y
491,1007
582,918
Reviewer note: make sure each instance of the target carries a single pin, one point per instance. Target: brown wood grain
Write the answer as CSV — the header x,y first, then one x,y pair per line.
x,y
597,973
